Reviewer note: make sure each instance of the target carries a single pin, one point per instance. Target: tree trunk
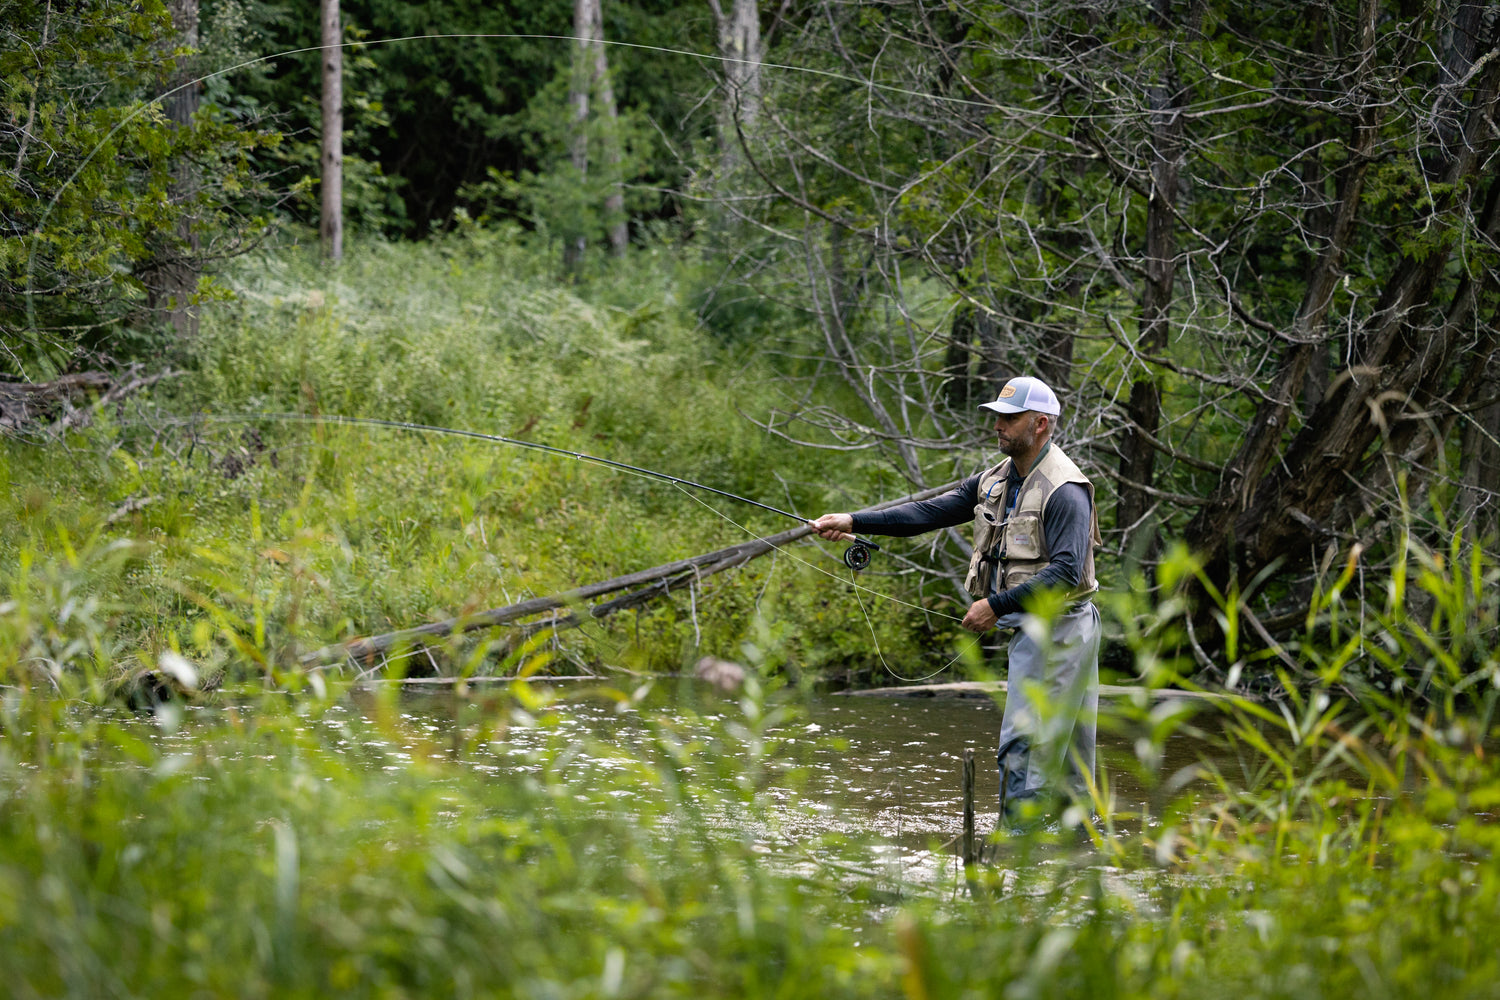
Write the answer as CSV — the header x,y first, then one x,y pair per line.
x,y
331,227
1318,221
972,335
181,101
579,85
616,225
172,285
739,47
1143,413
959,388
1480,500
1054,360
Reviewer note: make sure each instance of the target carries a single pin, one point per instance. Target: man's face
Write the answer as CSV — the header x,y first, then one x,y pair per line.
x,y
1016,432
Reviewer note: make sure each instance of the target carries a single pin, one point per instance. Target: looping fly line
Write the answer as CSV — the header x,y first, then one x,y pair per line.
x,y
856,557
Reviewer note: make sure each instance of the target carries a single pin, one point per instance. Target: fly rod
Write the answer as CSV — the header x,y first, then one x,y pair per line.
x,y
856,556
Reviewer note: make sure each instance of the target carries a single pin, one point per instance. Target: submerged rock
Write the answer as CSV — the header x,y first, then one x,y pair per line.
x,y
723,674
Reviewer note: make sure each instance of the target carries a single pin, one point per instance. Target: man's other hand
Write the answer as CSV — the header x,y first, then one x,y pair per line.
x,y
981,617
834,527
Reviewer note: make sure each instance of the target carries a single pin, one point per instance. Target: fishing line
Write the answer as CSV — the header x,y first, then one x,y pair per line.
x,y
857,586
856,557
881,653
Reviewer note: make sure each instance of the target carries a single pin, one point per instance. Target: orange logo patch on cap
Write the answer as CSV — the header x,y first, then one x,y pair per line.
x,y
1009,390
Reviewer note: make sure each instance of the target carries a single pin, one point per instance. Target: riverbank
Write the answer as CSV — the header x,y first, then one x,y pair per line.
x,y
244,543
988,689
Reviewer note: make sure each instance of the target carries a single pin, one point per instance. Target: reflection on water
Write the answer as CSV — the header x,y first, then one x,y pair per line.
x,y
869,767
888,766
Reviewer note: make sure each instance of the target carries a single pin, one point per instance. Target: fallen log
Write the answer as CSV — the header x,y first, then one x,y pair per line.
x,y
658,581
984,689
25,404
51,408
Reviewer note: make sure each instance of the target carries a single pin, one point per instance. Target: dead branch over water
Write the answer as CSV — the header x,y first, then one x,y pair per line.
x,y
648,584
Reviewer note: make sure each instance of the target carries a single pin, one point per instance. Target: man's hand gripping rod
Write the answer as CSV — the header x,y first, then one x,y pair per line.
x,y
839,527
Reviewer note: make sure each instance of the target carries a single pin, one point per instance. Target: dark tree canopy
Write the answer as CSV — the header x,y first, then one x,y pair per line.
x,y
431,120
1256,247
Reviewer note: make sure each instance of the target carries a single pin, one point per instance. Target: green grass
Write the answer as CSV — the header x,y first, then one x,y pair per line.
x,y
300,534
250,855
288,835
267,845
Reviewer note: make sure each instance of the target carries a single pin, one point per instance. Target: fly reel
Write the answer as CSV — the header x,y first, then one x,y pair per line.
x,y
857,556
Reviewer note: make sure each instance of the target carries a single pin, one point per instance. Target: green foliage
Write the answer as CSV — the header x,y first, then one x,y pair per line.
x,y
260,829
98,199
267,539
268,843
248,72
555,196
260,852
291,835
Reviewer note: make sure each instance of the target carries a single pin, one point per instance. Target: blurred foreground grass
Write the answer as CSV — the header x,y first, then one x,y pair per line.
x,y
302,845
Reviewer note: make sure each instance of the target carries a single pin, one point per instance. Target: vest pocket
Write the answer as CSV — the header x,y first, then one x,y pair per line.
x,y
1017,575
987,527
1023,536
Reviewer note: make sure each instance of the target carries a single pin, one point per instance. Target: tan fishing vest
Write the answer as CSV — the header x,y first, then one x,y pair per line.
x,y
1018,547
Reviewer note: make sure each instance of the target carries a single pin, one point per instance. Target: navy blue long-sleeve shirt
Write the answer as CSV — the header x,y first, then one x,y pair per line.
x,y
1065,524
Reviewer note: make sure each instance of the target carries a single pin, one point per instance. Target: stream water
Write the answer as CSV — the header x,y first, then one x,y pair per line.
x,y
865,784
887,767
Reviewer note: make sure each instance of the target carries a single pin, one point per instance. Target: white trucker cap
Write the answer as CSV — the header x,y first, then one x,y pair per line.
x,y
1025,393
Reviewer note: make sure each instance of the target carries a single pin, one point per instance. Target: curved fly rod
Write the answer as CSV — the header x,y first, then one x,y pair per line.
x,y
856,556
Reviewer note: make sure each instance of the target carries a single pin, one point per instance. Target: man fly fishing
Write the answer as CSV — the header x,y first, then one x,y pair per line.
x,y
1035,527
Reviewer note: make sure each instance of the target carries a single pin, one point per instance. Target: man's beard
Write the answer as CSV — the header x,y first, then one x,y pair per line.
x,y
1016,445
